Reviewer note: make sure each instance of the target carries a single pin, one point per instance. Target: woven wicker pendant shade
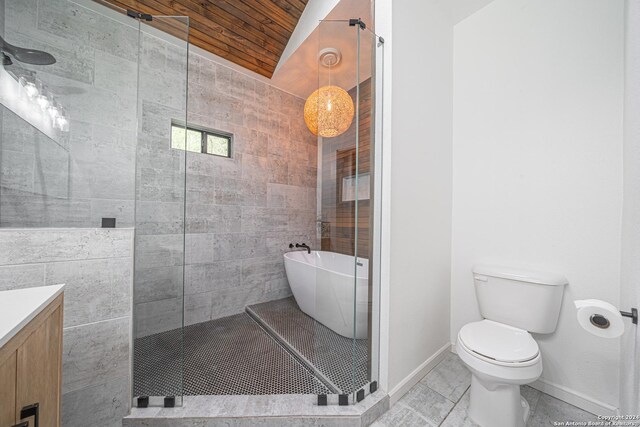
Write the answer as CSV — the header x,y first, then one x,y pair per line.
x,y
328,111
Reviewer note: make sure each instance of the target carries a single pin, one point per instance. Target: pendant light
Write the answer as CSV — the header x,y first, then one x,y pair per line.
x,y
328,112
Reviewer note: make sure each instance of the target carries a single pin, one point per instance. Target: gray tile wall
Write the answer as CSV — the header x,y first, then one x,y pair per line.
x,y
2,18
2,35
88,173
160,188
96,265
241,213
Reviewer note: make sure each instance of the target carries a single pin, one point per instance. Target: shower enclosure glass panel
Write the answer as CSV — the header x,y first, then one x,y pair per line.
x,y
69,128
120,84
85,143
366,223
345,332
158,298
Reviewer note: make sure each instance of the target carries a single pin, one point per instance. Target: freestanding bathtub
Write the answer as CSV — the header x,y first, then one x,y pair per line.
x,y
323,285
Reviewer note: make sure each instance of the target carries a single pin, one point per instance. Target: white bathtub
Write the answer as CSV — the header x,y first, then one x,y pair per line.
x,y
323,286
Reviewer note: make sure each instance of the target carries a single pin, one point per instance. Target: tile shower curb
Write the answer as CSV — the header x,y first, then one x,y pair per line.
x,y
337,359
276,410
292,350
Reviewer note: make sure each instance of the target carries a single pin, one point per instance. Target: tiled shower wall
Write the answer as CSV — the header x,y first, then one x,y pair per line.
x,y
96,267
70,183
267,193
89,173
1,34
241,213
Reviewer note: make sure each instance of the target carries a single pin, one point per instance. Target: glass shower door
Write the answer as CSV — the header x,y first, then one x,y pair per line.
x,y
158,366
366,280
345,332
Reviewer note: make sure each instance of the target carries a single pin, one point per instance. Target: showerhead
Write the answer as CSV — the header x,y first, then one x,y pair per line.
x,y
27,56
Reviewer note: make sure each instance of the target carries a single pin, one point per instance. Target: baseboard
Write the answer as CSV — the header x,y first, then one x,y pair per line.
x,y
570,396
574,398
412,379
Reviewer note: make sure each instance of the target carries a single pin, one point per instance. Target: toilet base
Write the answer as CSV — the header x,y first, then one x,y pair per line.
x,y
501,407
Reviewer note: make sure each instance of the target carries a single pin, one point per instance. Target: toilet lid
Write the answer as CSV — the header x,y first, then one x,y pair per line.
x,y
500,342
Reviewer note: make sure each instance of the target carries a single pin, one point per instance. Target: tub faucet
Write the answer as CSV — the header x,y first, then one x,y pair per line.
x,y
304,245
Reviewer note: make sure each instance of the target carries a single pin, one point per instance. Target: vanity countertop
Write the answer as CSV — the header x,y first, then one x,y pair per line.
x,y
20,306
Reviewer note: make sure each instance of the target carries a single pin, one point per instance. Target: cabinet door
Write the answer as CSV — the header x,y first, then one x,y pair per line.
x,y
38,371
8,391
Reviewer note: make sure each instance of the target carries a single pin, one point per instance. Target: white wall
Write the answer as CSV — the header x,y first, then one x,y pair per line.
x,y
537,178
384,125
314,11
630,277
461,9
420,188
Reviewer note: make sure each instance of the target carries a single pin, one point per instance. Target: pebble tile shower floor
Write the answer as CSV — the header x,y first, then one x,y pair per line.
x,y
342,361
228,356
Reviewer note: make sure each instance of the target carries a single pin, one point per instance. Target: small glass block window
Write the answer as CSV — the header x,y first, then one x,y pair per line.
x,y
201,140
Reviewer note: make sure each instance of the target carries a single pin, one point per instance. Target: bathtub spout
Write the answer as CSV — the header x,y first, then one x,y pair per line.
x,y
304,245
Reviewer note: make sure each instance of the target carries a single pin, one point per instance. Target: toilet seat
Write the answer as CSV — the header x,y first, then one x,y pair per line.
x,y
499,372
499,344
501,358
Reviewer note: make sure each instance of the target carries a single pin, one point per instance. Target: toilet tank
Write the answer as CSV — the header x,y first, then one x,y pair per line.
x,y
528,300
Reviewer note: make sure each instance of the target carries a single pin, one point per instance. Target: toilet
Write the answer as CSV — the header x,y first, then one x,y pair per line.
x,y
499,350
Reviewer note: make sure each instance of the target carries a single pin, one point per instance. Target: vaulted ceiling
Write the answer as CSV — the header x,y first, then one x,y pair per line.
x,y
250,33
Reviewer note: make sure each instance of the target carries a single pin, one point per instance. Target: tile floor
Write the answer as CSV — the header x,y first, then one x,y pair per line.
x,y
237,355
228,356
442,399
342,361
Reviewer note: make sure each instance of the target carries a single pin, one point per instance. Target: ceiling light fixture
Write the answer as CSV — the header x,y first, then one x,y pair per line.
x,y
328,111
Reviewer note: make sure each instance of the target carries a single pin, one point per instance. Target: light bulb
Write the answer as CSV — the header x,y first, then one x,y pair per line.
x,y
29,87
62,123
53,112
43,102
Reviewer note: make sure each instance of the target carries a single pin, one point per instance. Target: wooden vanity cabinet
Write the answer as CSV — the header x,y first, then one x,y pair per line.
x,y
30,372
8,390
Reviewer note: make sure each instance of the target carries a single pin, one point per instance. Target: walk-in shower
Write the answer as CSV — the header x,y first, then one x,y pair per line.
x,y
217,176
281,189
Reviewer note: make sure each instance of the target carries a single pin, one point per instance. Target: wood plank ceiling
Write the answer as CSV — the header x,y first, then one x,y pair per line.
x,y
250,33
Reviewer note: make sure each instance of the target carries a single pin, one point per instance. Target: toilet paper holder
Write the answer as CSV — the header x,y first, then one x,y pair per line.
x,y
603,319
600,321
633,314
